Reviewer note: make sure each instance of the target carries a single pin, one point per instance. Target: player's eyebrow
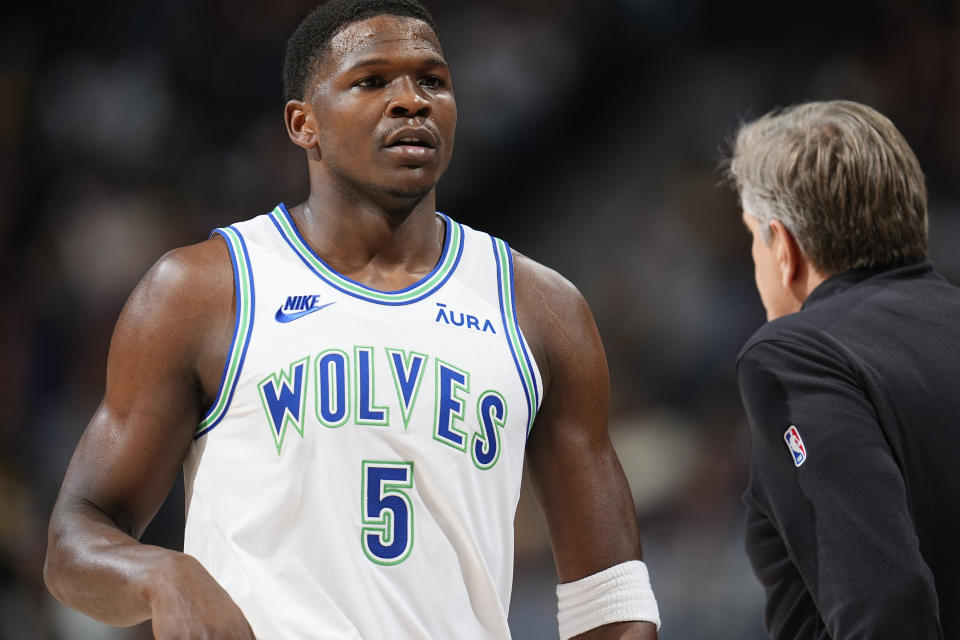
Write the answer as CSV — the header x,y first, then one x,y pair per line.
x,y
377,62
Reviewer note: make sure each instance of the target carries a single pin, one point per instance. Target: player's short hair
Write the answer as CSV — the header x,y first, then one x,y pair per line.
x,y
840,177
310,41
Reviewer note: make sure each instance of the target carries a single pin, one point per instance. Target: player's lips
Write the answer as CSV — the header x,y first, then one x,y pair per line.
x,y
415,143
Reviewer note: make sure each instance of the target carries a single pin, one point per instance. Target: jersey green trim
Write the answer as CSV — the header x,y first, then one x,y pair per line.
x,y
244,325
449,260
512,328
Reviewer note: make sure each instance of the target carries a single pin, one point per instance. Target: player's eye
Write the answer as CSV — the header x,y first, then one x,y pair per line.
x,y
433,82
370,82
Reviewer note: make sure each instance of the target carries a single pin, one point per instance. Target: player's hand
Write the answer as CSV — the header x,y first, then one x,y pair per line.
x,y
188,603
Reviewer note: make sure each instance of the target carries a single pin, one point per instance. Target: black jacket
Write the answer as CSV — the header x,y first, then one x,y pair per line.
x,y
861,539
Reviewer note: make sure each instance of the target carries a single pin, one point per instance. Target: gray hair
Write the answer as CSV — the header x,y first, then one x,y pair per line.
x,y
840,177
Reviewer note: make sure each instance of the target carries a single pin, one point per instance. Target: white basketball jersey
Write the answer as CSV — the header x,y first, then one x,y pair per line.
x,y
358,473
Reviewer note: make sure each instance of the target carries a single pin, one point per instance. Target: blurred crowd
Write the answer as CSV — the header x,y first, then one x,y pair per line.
x,y
590,137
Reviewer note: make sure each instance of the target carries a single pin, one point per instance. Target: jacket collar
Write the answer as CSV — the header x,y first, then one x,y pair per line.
x,y
847,279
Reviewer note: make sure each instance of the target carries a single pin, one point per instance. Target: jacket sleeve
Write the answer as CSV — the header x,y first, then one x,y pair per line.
x,y
842,512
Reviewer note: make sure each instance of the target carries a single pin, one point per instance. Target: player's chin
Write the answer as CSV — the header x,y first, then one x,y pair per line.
x,y
414,183
409,192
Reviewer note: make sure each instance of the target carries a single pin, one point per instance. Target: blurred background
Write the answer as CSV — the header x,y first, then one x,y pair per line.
x,y
590,137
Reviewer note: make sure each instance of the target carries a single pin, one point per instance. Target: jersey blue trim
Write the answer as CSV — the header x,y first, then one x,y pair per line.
x,y
501,292
447,246
213,417
523,343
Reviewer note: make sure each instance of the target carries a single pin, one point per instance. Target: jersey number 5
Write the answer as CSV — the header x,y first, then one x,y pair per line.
x,y
387,531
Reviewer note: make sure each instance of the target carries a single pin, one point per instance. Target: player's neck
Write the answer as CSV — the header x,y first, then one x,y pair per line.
x,y
384,247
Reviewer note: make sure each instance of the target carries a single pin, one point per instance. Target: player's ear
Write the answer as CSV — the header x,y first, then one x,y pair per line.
x,y
301,125
788,255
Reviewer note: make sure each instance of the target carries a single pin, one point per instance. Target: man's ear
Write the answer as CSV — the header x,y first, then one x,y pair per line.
x,y
790,259
301,125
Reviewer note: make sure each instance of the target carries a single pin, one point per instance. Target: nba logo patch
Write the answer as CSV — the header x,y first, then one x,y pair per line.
x,y
795,444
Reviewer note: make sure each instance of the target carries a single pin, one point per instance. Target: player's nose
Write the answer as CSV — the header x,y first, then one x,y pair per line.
x,y
409,100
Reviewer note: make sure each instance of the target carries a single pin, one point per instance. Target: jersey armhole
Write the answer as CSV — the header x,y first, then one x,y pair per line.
x,y
242,328
526,369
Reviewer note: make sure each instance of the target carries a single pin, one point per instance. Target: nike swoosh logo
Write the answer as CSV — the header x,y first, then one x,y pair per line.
x,y
290,317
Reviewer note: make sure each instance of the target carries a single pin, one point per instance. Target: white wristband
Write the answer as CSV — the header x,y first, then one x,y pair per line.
x,y
619,594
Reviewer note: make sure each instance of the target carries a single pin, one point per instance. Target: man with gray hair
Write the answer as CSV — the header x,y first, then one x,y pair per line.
x,y
851,388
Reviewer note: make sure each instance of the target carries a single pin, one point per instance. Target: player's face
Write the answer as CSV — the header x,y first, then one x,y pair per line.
x,y
776,299
384,107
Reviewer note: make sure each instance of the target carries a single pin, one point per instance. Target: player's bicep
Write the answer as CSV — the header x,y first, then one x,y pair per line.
x,y
131,451
577,477
823,471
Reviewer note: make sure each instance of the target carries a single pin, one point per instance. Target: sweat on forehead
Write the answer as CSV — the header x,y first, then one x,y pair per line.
x,y
359,37
311,40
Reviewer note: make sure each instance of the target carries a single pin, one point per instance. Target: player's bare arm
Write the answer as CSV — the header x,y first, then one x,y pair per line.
x,y
577,477
165,362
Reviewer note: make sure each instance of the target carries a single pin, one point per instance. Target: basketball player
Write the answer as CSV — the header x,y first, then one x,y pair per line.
x,y
851,388
351,385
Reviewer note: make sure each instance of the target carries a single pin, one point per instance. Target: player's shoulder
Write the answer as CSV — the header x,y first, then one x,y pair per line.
x,y
554,316
548,301
533,279
188,279
182,305
192,267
